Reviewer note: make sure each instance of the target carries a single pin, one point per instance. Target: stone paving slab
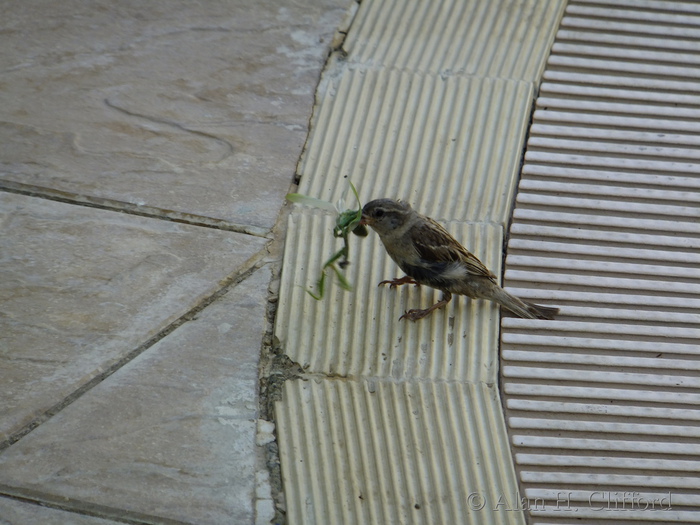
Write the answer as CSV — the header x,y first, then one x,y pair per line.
x,y
201,109
14,512
81,288
173,110
170,435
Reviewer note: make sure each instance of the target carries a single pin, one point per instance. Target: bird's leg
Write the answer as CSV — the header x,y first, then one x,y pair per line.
x,y
393,283
414,315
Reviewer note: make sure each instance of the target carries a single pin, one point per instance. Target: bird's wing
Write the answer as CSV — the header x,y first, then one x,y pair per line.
x,y
434,243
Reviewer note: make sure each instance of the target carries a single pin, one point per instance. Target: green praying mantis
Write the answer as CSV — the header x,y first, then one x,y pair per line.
x,y
347,221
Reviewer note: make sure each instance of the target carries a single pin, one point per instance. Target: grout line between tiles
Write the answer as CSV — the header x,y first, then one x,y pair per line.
x,y
128,208
83,508
252,265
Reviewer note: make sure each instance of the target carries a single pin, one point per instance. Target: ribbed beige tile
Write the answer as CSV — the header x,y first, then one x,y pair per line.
x,y
603,404
431,105
358,333
400,453
504,39
452,147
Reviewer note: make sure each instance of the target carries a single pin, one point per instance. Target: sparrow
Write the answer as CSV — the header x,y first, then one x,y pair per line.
x,y
429,255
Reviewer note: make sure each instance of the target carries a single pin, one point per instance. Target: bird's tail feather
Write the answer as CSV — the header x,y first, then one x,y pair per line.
x,y
524,309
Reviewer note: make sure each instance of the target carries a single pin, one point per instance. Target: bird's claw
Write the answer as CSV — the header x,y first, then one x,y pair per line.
x,y
415,315
393,283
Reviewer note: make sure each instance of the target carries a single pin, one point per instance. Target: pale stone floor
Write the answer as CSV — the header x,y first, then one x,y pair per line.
x,y
145,150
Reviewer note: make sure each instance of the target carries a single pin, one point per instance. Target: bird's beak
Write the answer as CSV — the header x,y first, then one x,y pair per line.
x,y
364,221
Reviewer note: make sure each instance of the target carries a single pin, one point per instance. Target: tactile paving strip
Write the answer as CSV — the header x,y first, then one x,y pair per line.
x,y
495,39
603,404
449,139
358,333
375,451
451,147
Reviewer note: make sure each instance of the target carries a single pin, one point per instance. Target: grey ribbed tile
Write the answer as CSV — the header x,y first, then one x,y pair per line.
x,y
605,225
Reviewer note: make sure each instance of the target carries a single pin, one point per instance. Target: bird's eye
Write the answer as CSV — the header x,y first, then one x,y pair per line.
x,y
379,213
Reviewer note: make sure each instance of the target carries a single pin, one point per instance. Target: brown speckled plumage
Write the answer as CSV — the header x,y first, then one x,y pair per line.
x,y
429,255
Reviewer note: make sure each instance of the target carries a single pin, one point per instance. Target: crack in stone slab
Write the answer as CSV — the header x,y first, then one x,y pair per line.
x,y
170,123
